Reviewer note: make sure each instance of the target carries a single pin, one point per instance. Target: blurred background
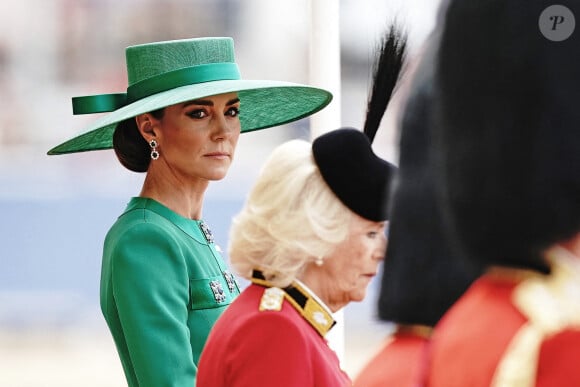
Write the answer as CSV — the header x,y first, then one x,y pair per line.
x,y
56,210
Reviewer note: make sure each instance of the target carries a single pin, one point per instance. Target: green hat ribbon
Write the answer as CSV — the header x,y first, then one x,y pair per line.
x,y
181,77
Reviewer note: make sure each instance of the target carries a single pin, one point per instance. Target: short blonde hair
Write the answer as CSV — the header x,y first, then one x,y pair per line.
x,y
290,218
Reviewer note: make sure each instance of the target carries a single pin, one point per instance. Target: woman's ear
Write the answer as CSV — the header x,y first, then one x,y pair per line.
x,y
146,126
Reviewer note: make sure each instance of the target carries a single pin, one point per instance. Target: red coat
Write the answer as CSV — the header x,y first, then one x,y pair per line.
x,y
397,364
511,328
249,347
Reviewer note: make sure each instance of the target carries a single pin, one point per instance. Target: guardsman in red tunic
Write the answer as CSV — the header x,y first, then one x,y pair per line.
x,y
421,276
508,126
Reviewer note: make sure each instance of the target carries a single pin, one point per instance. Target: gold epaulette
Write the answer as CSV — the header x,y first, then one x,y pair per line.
x,y
550,303
272,299
304,302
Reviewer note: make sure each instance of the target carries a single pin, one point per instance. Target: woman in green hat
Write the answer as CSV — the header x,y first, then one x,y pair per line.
x,y
163,283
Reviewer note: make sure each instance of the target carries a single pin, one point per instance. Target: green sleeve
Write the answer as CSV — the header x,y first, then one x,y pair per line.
x,y
151,288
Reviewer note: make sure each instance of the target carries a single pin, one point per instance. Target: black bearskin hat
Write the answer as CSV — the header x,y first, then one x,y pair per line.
x,y
422,275
508,129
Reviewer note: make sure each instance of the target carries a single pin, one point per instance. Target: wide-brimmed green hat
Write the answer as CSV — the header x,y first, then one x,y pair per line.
x,y
166,73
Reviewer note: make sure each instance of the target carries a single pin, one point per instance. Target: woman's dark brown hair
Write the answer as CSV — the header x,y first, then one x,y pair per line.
x,y
130,147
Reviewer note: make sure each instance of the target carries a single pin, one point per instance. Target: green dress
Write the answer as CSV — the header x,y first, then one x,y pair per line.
x,y
163,286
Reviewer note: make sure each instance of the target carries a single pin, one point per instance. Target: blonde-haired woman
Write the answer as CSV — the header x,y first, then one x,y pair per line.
x,y
291,216
310,238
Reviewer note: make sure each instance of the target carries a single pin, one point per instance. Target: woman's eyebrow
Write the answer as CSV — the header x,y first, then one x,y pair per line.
x,y
208,102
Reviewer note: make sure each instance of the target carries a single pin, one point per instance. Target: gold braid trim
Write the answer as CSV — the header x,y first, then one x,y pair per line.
x,y
550,302
314,313
424,331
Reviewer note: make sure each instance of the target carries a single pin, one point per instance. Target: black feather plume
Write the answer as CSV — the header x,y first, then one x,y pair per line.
x,y
386,73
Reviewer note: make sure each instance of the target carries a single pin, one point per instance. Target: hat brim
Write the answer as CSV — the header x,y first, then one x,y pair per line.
x,y
263,104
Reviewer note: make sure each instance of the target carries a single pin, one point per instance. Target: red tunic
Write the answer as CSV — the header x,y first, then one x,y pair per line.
x,y
512,328
397,364
249,347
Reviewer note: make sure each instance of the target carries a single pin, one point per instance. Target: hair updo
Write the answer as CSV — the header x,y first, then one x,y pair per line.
x,y
131,148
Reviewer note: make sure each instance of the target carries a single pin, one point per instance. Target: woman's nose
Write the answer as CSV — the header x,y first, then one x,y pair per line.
x,y
223,128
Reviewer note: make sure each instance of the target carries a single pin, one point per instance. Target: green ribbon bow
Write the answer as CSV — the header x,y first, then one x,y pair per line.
x,y
182,77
